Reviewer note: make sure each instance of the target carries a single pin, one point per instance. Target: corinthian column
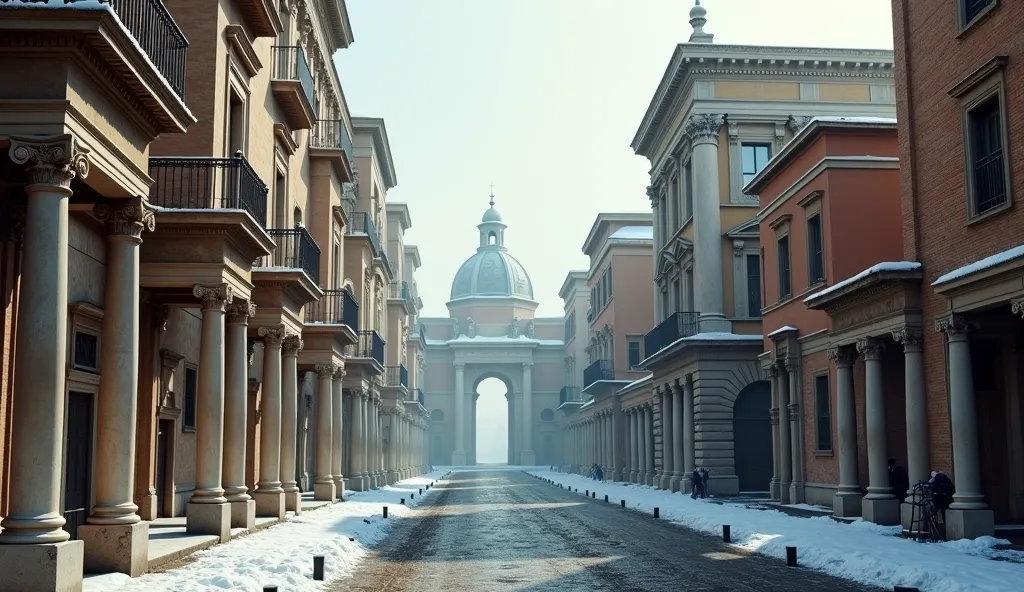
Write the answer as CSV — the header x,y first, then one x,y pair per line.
x,y
269,493
846,502
707,219
208,511
323,487
290,348
357,447
115,537
879,505
337,442
236,393
916,409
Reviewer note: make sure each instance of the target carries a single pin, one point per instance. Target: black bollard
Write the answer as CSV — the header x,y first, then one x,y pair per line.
x,y
412,496
622,503
904,589
726,533
402,501
606,498
593,495
385,511
318,568
657,513
791,556
586,493
269,588
421,491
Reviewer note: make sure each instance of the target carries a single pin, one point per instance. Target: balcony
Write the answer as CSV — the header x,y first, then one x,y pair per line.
x,y
386,263
599,370
204,183
417,396
370,346
262,16
401,291
330,140
570,394
295,249
159,36
292,84
673,328
396,376
360,223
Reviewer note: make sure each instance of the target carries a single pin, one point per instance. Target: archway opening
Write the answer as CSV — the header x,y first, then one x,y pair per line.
x,y
491,438
752,437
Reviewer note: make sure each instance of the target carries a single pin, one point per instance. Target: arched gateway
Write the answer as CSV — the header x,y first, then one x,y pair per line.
x,y
491,332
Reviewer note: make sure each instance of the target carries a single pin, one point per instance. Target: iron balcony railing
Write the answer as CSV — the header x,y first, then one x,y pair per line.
x,y
158,36
989,182
676,326
387,263
371,346
347,206
417,395
362,223
396,376
570,394
335,307
331,133
208,183
599,370
290,64
294,248
399,290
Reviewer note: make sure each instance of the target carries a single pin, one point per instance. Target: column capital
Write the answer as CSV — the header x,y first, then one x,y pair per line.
x,y
272,336
325,370
702,128
1017,306
527,365
791,364
774,414
911,336
794,411
54,160
957,327
291,345
339,372
772,371
460,365
214,297
126,217
240,311
871,348
843,356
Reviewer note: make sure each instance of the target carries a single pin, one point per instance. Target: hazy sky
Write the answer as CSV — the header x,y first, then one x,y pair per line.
x,y
542,98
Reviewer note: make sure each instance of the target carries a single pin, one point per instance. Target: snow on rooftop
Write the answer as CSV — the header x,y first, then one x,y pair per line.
x,y
633,233
636,383
879,268
712,336
781,330
864,120
466,340
987,262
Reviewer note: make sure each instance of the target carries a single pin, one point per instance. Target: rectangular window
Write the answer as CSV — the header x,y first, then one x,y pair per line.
x,y
972,9
753,286
688,188
677,295
336,263
188,411
985,148
634,353
691,300
85,352
785,285
755,157
823,413
815,251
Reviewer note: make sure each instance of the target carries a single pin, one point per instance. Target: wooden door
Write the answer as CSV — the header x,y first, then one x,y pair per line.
x,y
78,461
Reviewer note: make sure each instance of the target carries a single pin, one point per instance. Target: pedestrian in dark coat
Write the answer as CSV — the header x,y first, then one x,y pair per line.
x,y
695,484
898,480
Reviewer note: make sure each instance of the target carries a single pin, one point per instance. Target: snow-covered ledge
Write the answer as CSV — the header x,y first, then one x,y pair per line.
x,y
874,275
987,267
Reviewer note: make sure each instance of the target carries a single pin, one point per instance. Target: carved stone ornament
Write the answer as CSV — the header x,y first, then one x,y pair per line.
x,y
871,349
794,411
955,326
291,345
910,336
455,329
339,372
250,351
325,370
240,311
734,133
470,327
774,414
514,328
797,123
737,248
702,128
530,328
791,365
214,297
771,372
842,356
272,336
54,160
1017,306
652,195
128,217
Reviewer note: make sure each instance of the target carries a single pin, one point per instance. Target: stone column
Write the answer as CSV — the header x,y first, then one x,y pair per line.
x,y
641,443
968,516
528,457
459,454
236,395
269,493
649,435
609,444
323,487
703,132
773,375
846,502
115,537
678,464
290,422
689,432
879,505
667,442
785,440
796,487
634,445
916,404
32,529
208,511
357,445
337,435
378,456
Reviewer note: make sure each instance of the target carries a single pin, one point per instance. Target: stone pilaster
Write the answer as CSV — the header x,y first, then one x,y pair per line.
x,y
270,493
323,487
785,439
772,374
528,457
667,441
796,487
459,453
290,348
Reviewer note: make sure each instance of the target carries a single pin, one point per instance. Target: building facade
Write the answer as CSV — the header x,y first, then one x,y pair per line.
x,y
167,355
718,116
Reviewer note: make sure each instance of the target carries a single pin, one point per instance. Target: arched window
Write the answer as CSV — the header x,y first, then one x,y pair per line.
x,y
297,217
547,415
492,238
437,415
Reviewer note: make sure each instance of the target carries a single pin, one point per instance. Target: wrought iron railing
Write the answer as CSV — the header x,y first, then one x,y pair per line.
x,y
570,394
399,290
158,36
362,223
294,248
676,326
396,376
370,346
989,182
347,206
290,64
208,183
335,307
599,370
331,133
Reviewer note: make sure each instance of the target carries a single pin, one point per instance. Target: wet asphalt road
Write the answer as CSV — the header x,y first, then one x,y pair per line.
x,y
505,530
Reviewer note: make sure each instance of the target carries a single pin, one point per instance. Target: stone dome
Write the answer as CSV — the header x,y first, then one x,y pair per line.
x,y
491,215
492,272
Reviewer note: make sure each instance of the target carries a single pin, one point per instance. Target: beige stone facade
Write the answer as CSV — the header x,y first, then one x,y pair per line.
x,y
229,341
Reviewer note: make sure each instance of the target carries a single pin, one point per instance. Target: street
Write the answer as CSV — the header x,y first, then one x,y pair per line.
x,y
505,530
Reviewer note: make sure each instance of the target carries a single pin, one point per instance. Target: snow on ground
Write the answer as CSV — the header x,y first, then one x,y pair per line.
x,y
860,551
282,554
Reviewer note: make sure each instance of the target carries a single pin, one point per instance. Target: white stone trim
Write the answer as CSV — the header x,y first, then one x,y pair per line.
x,y
741,249
738,136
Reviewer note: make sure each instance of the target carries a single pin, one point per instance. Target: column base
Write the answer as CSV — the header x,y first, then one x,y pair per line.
x,y
243,514
293,502
458,459
796,492
212,519
675,483
846,504
714,323
528,458
149,506
339,488
906,509
268,504
664,481
324,492
52,566
969,524
775,487
122,548
632,476
357,483
885,511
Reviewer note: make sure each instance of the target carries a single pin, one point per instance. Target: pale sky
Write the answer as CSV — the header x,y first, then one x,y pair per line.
x,y
541,98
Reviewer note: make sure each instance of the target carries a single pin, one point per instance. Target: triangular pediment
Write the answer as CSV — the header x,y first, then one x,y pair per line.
x,y
748,229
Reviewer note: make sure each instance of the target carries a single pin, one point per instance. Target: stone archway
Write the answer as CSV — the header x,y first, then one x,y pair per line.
x,y
491,427
480,378
752,436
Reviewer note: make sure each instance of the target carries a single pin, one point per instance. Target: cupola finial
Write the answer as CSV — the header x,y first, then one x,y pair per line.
x,y
492,193
698,18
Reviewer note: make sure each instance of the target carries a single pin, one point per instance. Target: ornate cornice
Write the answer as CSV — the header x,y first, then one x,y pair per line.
x,y
52,161
214,297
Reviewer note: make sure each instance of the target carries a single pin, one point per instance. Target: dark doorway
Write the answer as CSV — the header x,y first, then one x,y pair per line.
x,y
164,448
752,437
78,461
